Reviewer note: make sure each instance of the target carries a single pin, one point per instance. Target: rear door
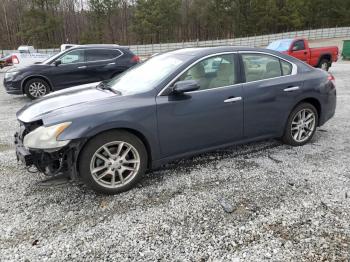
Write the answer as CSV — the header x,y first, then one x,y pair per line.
x,y
206,118
102,63
270,90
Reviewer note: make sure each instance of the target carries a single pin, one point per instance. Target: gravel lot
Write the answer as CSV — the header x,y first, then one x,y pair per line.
x,y
262,201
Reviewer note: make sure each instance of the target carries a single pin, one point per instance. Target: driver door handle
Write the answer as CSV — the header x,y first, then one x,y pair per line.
x,y
82,67
233,99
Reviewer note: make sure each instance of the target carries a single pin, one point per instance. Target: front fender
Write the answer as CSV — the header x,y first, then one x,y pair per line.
x,y
141,122
29,76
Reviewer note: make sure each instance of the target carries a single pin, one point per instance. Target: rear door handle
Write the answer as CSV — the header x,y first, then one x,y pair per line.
x,y
233,99
111,64
291,89
82,67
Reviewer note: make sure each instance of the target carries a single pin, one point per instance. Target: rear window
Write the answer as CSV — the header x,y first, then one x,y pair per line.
x,y
261,66
101,54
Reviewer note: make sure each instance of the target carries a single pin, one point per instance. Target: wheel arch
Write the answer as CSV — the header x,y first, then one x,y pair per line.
x,y
326,56
313,101
144,140
25,80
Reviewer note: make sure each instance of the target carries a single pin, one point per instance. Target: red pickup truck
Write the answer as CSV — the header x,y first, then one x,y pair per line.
x,y
321,57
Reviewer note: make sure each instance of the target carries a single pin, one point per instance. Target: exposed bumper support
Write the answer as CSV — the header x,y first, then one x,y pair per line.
x,y
62,161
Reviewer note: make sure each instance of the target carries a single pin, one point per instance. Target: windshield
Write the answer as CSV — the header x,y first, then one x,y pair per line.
x,y
147,75
280,45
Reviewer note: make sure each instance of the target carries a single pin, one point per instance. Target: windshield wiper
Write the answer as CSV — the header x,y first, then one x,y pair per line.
x,y
104,86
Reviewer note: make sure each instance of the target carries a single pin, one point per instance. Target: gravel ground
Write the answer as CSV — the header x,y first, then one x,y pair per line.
x,y
262,201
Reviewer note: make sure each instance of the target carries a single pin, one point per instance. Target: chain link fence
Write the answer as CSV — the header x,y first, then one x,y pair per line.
x,y
252,41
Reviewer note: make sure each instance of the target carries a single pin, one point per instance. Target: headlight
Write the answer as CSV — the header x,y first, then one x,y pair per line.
x,y
46,137
10,75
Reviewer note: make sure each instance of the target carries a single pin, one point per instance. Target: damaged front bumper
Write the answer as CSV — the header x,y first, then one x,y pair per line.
x,y
61,161
22,153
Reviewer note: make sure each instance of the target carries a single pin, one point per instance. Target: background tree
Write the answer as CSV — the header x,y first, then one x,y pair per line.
x,y
155,20
49,23
39,22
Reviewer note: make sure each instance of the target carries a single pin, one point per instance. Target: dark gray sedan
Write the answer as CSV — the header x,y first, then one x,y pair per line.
x,y
172,106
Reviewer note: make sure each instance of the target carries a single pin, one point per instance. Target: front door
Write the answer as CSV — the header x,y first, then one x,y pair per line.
x,y
206,118
299,51
71,71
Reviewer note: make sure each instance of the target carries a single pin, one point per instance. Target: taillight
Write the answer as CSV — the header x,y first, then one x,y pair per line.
x,y
135,59
331,78
15,59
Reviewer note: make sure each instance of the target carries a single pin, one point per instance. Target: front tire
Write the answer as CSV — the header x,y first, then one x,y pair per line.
x,y
301,125
113,162
36,88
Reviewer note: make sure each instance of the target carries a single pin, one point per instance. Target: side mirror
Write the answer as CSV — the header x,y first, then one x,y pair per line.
x,y
185,86
57,62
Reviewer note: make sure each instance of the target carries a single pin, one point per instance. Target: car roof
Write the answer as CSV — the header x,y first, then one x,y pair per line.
x,y
204,51
108,46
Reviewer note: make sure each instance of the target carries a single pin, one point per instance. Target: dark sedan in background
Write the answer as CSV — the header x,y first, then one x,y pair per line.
x,y
75,66
173,105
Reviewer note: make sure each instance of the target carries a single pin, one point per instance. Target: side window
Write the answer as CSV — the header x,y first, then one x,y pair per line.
x,y
286,68
101,54
260,66
299,45
213,72
76,56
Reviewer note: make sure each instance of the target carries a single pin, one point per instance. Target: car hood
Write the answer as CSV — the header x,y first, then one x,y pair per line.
x,y
31,67
69,99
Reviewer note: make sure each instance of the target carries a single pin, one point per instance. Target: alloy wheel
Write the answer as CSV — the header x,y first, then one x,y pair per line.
x,y
115,164
37,89
303,125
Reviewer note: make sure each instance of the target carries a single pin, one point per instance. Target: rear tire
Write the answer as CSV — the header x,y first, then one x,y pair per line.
x,y
113,162
324,64
36,88
301,125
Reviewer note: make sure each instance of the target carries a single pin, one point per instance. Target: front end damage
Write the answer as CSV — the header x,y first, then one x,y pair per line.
x,y
49,162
